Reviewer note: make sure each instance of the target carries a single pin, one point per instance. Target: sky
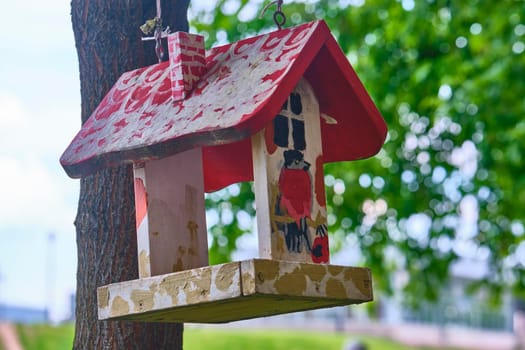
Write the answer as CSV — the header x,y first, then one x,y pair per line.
x,y
39,115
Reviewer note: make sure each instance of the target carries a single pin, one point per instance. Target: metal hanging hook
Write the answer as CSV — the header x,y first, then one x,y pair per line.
x,y
159,50
278,16
155,26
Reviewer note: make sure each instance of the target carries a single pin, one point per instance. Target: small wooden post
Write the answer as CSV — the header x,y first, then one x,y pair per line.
x,y
170,212
289,182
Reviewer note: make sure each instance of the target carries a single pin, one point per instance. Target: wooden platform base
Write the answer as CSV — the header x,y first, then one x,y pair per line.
x,y
235,291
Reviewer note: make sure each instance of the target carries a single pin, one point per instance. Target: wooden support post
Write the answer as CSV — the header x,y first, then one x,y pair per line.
x,y
289,182
170,212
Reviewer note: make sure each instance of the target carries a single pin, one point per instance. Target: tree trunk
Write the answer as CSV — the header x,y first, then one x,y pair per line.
x,y
107,38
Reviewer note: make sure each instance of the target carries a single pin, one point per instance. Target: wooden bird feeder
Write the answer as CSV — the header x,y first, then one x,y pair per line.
x,y
272,108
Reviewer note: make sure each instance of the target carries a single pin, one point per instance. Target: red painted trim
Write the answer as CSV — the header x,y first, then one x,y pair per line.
x,y
141,201
320,194
359,89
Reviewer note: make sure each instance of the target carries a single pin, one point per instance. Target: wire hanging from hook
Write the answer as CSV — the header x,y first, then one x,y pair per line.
x,y
159,50
278,16
159,9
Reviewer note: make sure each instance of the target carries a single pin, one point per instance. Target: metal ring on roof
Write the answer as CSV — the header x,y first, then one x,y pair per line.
x,y
279,18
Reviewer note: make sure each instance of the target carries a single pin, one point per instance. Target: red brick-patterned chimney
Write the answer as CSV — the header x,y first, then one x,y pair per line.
x,y
187,62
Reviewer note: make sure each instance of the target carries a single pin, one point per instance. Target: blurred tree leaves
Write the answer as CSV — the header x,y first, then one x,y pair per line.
x,y
449,79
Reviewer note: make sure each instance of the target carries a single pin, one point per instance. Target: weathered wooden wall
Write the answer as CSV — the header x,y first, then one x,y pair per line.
x,y
290,198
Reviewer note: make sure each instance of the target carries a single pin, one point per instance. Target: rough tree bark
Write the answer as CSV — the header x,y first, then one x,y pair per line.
x,y
107,38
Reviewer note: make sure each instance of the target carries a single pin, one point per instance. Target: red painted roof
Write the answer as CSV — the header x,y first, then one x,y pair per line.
x,y
244,87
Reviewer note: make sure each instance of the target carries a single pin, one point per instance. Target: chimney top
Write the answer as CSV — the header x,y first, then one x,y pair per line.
x,y
187,59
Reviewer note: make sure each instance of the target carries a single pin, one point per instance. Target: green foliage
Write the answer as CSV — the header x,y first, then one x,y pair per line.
x,y
46,337
448,77
218,339
195,339
230,209
42,337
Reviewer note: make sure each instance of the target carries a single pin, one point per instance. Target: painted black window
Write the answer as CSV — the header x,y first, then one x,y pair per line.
x,y
295,103
299,141
280,133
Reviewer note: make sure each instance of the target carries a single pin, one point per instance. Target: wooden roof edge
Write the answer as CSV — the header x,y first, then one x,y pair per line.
x,y
99,162
361,93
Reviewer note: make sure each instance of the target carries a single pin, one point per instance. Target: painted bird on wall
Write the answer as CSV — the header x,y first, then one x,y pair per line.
x,y
295,190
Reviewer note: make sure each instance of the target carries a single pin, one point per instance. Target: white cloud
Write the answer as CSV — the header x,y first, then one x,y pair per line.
x,y
42,128
33,196
43,24
11,112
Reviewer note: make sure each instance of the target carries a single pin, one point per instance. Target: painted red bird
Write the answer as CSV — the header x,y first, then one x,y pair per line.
x,y
295,187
